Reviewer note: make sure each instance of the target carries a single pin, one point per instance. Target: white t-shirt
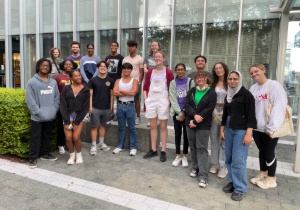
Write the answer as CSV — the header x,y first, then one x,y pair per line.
x,y
278,100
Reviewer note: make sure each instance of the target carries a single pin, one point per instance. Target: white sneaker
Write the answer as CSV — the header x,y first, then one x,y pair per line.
x,y
71,160
133,152
93,150
185,162
177,161
117,150
79,158
103,147
259,177
61,150
267,183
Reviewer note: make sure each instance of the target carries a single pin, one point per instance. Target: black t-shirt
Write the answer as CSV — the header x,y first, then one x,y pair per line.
x,y
101,91
229,108
114,68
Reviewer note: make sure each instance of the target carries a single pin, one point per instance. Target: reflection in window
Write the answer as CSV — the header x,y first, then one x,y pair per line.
x,y
159,13
132,13
131,34
189,12
223,11
85,38
258,9
30,56
65,42
106,37
47,44
15,17
86,15
46,22
15,43
2,64
65,15
29,17
108,14
2,22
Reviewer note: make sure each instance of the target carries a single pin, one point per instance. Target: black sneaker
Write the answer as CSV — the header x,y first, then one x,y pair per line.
x,y
203,183
163,156
237,196
32,163
48,157
150,154
228,188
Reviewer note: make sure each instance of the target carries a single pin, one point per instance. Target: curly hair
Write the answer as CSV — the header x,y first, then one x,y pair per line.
x,y
215,79
62,64
39,63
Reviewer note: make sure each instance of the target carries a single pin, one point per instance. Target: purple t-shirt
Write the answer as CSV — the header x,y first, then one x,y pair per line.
x,y
76,60
181,90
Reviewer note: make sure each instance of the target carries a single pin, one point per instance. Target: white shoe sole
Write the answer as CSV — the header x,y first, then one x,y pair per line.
x,y
70,163
253,182
213,172
32,167
117,152
49,159
266,187
93,153
79,162
132,154
202,185
62,152
175,165
107,149
193,175
185,166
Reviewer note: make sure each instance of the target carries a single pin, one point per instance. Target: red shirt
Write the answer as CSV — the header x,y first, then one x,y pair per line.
x,y
62,80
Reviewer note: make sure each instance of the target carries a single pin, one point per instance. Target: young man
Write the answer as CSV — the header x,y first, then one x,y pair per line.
x,y
114,61
101,105
42,98
126,88
200,63
88,68
137,73
76,57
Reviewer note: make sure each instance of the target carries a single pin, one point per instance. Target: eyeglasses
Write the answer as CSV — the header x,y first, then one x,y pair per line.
x,y
200,78
180,69
45,66
233,79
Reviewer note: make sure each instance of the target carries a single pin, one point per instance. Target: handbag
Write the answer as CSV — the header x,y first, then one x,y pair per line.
x,y
217,116
287,126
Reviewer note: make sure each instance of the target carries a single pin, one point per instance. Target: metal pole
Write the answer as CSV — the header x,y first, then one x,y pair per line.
x,y
55,24
239,36
173,31
204,28
37,28
8,49
75,20
119,25
22,53
96,24
145,21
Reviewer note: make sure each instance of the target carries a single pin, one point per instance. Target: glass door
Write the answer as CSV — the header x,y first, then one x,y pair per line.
x,y
2,63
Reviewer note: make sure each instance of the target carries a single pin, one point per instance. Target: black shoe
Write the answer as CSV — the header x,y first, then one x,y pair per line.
x,y
32,163
228,188
163,156
150,154
237,196
48,157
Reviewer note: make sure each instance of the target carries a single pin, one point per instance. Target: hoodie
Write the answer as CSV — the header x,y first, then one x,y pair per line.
x,y
42,98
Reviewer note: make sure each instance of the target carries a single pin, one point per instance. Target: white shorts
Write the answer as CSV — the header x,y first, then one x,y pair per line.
x,y
157,107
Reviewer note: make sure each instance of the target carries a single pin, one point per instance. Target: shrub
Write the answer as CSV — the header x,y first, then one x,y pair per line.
x,y
15,123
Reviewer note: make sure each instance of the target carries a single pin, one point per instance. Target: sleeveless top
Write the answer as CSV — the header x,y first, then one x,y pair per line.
x,y
221,94
126,86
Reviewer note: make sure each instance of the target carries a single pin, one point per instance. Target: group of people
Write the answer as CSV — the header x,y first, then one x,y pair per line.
x,y
202,104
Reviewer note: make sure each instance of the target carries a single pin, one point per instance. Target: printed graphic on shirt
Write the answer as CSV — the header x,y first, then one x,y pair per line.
x,y
181,91
67,82
113,65
45,92
260,98
151,62
107,83
78,63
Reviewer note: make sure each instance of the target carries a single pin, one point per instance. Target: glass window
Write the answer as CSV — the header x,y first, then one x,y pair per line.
x,y
14,17
85,38
2,20
86,15
30,17
15,43
189,12
132,13
2,64
47,44
223,11
159,13
106,36
258,9
132,34
30,56
46,22
65,15
108,14
65,44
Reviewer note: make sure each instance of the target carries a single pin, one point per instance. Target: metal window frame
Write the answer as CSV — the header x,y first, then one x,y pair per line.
x,y
7,46
22,53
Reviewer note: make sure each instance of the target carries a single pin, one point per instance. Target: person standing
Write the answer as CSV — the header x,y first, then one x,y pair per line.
x,y
199,105
114,61
62,80
157,103
74,106
238,122
262,135
220,73
42,98
200,63
76,57
101,105
55,61
88,68
126,88
178,91
137,73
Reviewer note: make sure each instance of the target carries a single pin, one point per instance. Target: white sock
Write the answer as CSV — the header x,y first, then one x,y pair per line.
x,y
101,140
73,153
94,143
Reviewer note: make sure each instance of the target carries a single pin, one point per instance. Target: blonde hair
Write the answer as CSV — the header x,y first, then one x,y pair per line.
x,y
52,51
159,48
259,66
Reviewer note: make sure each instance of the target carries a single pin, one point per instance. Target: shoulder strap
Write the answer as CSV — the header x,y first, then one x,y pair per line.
x,y
55,65
190,83
268,92
269,106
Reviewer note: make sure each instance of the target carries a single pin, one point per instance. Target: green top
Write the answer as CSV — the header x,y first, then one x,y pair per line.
x,y
199,95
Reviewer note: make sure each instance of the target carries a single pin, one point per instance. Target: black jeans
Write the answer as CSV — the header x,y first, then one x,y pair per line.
x,y
266,146
178,127
38,130
61,139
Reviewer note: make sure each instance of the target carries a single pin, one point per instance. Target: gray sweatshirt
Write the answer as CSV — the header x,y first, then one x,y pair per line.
x,y
42,98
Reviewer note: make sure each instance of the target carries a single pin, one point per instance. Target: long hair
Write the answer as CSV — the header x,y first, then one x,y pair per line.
x,y
203,74
159,48
52,51
39,63
216,78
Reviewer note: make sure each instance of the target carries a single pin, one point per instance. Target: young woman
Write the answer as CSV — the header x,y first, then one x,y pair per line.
x,y
238,121
178,91
266,145
62,80
157,103
55,61
75,104
219,73
199,105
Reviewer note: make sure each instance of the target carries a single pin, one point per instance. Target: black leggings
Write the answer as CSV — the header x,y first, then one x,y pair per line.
x,y
178,127
266,146
61,139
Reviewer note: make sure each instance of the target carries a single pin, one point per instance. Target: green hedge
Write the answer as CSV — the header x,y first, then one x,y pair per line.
x,y
15,123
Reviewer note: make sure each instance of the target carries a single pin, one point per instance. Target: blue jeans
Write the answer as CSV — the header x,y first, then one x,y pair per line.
x,y
126,112
236,158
